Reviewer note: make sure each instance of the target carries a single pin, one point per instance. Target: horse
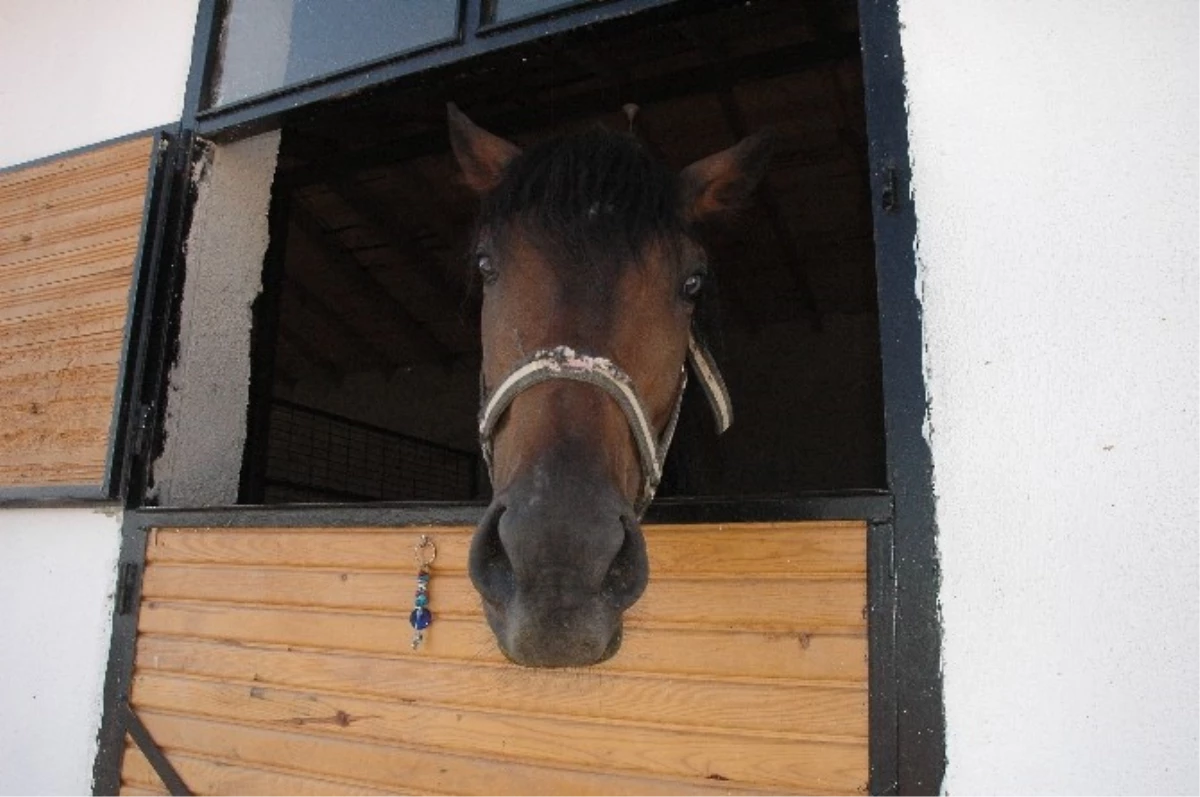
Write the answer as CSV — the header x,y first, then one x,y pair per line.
x,y
591,266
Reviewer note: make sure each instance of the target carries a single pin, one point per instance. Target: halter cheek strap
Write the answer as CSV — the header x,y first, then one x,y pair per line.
x,y
563,362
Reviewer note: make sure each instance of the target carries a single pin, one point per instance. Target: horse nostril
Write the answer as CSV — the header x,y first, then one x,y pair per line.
x,y
488,563
629,571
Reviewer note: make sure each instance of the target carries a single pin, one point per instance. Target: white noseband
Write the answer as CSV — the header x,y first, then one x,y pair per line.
x,y
563,362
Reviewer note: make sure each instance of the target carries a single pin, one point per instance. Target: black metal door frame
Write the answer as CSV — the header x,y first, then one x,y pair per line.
x,y
907,723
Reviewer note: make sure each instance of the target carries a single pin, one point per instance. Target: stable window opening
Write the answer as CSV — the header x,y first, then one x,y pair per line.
x,y
365,340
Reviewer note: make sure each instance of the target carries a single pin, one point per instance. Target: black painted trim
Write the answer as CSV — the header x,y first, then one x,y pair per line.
x,y
205,42
920,713
52,495
154,754
141,296
870,506
488,23
106,770
155,262
159,347
257,114
881,645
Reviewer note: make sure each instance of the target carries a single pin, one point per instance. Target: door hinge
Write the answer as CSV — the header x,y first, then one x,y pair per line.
x,y
127,582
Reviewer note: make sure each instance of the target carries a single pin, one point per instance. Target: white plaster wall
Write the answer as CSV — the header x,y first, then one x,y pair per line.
x,y
74,72
1054,149
57,574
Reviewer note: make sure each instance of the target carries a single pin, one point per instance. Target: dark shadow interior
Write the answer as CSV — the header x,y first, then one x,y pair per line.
x,y
374,351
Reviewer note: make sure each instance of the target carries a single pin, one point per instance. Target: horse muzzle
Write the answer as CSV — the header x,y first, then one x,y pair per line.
x,y
556,577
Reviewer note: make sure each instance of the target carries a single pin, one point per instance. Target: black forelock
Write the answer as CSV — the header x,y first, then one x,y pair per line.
x,y
597,193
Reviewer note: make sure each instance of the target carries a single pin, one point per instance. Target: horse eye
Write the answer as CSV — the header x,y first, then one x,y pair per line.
x,y
692,286
486,269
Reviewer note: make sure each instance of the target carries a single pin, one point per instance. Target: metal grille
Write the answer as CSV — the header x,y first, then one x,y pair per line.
x,y
317,456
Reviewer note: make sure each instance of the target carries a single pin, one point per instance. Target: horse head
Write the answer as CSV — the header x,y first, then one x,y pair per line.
x,y
591,269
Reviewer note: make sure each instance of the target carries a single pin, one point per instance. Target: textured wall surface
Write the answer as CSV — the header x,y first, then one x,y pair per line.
x,y
205,432
57,574
74,72
1054,152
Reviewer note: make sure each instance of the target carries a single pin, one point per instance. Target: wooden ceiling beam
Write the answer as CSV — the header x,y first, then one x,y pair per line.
x,y
403,237
789,249
295,341
313,304
735,119
672,85
359,278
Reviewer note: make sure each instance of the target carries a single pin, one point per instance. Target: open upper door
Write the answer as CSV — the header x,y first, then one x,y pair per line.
x,y
73,230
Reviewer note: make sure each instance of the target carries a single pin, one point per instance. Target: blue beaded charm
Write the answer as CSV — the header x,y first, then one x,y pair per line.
x,y
421,617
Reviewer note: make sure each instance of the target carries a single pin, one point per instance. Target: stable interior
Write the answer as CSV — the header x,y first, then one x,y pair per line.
x,y
371,354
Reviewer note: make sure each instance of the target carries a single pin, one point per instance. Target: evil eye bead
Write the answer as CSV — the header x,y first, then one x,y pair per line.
x,y
420,618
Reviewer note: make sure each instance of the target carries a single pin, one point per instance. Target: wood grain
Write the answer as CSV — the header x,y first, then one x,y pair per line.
x,y
812,708
398,767
801,654
642,748
730,550
825,603
743,668
204,776
68,241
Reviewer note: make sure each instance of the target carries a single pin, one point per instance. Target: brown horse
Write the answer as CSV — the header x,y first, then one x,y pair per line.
x,y
591,270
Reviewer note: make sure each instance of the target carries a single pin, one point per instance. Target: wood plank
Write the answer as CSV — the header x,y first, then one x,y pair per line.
x,y
51,268
45,447
138,773
78,352
59,172
752,759
59,472
731,550
141,791
99,189
16,336
68,240
71,228
803,655
775,705
205,776
394,767
108,231
103,287
746,603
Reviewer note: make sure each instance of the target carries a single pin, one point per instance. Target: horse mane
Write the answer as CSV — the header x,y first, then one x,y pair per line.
x,y
599,193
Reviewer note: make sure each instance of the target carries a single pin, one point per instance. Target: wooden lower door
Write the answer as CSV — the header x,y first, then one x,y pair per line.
x,y
274,661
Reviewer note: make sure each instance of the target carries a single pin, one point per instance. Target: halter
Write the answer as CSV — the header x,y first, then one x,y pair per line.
x,y
563,362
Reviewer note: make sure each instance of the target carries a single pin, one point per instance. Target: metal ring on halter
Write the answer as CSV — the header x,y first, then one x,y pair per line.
x,y
563,362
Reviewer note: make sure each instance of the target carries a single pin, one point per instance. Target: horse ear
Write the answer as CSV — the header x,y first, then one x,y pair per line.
x,y
481,155
724,181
